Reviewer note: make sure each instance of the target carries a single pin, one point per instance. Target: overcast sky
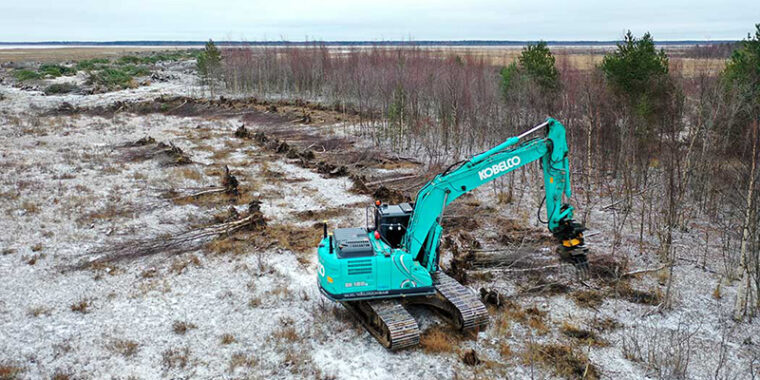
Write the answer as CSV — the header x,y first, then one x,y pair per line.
x,y
329,20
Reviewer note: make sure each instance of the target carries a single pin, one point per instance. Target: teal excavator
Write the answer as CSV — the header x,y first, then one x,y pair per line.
x,y
375,271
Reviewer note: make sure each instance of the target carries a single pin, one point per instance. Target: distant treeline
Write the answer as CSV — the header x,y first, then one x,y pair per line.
x,y
356,43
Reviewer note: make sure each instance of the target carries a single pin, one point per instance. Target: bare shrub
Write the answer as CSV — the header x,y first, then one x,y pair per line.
x,y
665,352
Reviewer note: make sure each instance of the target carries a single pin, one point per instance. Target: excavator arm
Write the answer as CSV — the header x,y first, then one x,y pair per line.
x,y
424,229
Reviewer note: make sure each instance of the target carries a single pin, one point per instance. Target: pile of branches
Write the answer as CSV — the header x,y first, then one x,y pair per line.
x,y
147,148
252,220
306,157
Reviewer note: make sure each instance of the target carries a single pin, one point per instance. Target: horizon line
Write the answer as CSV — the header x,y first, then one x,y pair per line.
x,y
354,42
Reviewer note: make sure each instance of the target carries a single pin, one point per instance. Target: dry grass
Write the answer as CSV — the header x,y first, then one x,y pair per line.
x,y
294,238
242,360
436,339
58,375
717,294
228,244
322,214
652,296
82,306
188,173
176,357
59,54
179,265
587,336
110,211
10,372
254,302
605,324
124,347
227,339
286,333
37,311
505,350
102,268
181,327
563,360
30,207
502,325
536,320
588,298
214,200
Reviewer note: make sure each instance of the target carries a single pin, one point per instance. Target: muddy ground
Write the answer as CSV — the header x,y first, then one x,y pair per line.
x,y
127,253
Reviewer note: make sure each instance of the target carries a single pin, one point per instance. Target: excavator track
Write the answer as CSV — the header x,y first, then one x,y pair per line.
x,y
388,321
469,311
456,303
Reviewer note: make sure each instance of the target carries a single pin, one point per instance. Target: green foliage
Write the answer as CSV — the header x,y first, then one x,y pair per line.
x,y
538,63
111,78
509,75
24,75
742,72
135,71
635,66
129,60
397,107
164,57
91,64
209,62
637,74
56,71
153,58
60,88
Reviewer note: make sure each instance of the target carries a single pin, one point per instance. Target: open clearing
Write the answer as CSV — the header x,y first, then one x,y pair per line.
x,y
76,185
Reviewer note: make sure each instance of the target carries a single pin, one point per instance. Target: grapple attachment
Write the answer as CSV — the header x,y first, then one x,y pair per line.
x,y
572,248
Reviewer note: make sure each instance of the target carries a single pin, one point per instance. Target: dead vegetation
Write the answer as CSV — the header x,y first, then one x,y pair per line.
x,y
179,265
38,311
124,347
10,371
227,339
666,352
82,306
242,360
588,298
438,339
186,241
471,358
229,192
147,148
585,336
515,233
325,213
176,357
182,327
562,360
294,238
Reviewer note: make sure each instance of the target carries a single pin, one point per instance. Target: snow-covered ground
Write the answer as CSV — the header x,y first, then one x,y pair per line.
x,y
67,188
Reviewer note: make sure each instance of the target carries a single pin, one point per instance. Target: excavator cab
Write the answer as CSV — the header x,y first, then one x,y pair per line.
x,y
391,222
